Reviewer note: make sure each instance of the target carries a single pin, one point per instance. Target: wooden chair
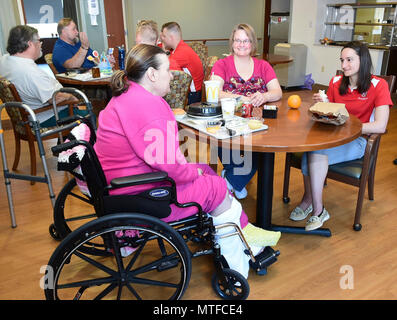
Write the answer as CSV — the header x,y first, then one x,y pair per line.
x,y
48,59
201,49
356,172
180,88
20,125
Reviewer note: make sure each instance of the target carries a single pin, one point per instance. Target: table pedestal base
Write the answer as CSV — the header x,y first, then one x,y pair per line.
x,y
324,232
265,199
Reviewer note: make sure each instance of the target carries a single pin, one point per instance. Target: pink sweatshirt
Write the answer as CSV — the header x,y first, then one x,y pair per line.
x,y
137,134
137,129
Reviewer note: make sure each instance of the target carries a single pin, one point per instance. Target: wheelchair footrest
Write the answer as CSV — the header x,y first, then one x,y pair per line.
x,y
263,260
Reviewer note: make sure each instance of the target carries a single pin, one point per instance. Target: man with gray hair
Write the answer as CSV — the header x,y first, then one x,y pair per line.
x,y
34,85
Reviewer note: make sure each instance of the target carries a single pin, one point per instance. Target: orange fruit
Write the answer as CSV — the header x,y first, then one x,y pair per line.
x,y
294,101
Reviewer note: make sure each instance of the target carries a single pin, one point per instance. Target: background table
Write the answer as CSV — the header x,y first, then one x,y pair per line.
x,y
274,59
91,88
78,83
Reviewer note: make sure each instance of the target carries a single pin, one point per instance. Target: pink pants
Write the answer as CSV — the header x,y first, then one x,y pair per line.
x,y
208,190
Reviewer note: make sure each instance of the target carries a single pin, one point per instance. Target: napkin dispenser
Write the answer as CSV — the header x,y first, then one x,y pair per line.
x,y
270,112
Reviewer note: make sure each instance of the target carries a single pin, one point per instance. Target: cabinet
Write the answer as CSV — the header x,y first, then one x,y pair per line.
x,y
373,23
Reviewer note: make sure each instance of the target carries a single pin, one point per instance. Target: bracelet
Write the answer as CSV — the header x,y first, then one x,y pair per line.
x,y
84,48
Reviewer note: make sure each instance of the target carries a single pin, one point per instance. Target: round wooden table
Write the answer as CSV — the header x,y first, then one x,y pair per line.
x,y
79,83
292,131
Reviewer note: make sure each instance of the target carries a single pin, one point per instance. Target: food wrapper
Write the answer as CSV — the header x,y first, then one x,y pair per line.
x,y
323,95
328,112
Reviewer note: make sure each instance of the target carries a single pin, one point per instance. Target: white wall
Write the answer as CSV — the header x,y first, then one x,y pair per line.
x,y
7,21
199,19
307,17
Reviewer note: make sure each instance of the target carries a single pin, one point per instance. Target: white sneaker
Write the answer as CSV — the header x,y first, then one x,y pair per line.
x,y
316,222
239,194
299,214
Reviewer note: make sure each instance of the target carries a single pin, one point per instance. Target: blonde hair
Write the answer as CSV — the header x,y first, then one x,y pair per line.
x,y
138,60
250,33
148,30
64,22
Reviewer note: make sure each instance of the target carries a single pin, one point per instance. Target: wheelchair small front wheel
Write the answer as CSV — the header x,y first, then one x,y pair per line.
x,y
54,233
231,286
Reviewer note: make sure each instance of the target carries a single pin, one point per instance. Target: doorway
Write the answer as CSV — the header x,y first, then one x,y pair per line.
x,y
115,25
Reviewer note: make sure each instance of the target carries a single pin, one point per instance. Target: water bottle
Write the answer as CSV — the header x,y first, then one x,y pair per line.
x,y
121,57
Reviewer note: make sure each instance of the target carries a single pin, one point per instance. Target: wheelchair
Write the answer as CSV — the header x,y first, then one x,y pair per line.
x,y
127,251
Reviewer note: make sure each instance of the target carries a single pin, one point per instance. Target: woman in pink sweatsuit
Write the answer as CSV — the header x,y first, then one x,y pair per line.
x,y
137,133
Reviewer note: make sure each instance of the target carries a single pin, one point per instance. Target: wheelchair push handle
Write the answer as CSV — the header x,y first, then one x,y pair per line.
x,y
65,146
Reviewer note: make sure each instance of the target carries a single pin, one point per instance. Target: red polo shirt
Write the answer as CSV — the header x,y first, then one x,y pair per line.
x,y
361,105
190,62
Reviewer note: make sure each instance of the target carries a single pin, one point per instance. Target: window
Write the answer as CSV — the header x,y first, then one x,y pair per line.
x,y
43,15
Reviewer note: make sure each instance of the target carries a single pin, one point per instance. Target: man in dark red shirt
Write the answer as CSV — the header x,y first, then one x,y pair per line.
x,y
184,55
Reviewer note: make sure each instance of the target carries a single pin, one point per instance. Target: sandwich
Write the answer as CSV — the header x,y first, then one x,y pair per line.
x,y
328,112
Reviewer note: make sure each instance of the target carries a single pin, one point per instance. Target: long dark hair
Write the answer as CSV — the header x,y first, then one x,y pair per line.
x,y
364,73
138,60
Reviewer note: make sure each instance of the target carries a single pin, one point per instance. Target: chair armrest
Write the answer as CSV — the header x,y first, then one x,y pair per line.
x,y
371,150
372,139
134,180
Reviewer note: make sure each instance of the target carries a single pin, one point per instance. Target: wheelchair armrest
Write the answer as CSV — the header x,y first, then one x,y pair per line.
x,y
139,179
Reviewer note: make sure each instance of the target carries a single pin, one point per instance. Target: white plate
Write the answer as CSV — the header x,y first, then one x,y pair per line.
x,y
179,116
204,118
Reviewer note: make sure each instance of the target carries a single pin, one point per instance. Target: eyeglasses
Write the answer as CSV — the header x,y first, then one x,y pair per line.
x,y
239,41
37,40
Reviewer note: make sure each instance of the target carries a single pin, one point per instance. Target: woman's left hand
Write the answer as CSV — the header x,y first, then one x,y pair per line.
x,y
257,99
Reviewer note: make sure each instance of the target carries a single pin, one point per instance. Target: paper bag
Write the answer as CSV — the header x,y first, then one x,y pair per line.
x,y
328,112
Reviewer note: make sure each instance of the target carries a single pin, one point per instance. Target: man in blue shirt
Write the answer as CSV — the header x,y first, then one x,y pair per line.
x,y
72,48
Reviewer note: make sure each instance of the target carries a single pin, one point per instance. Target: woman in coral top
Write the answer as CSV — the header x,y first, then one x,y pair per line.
x,y
253,80
364,95
137,133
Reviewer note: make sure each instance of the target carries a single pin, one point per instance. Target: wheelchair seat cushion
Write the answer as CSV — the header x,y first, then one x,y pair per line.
x,y
154,202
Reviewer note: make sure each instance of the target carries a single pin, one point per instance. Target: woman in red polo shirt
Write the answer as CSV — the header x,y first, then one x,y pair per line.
x,y
364,95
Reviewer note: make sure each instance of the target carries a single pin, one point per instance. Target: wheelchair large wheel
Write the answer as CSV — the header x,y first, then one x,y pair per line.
x,y
69,205
231,286
158,268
